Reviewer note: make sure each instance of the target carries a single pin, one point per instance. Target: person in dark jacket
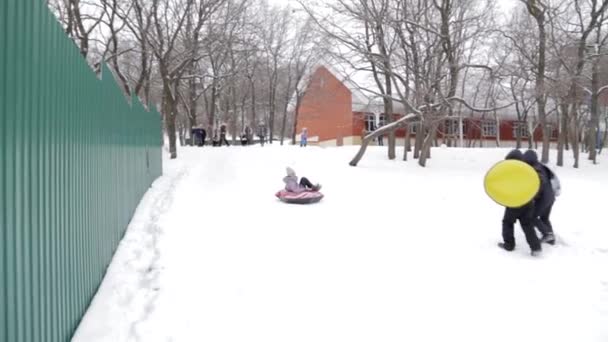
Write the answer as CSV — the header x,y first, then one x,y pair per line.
x,y
543,203
203,136
525,215
223,136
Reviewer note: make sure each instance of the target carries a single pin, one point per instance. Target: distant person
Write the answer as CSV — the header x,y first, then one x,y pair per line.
x,y
223,136
262,133
304,137
525,215
216,138
380,138
203,136
549,188
198,136
249,135
292,184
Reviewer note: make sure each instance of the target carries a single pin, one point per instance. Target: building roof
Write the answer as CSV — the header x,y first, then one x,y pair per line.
x,y
367,98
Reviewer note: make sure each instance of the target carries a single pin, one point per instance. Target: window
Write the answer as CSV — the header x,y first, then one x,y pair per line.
x,y
451,127
520,128
488,128
370,122
382,120
553,131
414,127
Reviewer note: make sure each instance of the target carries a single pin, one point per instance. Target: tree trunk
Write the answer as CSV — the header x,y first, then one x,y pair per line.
x,y
380,131
517,140
426,147
296,114
594,124
563,133
169,110
605,136
192,112
406,144
212,108
574,134
272,104
235,115
419,139
253,113
388,112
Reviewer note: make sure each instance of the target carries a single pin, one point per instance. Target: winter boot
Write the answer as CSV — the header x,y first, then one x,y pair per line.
x,y
316,187
506,247
549,238
536,252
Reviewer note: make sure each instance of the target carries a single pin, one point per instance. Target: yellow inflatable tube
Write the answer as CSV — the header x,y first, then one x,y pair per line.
x,y
511,183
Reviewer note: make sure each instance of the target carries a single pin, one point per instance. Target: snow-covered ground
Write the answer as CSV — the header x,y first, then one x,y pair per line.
x,y
394,252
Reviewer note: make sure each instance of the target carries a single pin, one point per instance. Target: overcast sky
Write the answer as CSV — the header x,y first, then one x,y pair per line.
x,y
506,5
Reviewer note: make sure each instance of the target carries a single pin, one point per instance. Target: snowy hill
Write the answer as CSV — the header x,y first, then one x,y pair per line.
x,y
394,252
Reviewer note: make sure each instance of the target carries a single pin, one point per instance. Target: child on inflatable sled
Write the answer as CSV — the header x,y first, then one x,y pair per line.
x,y
292,185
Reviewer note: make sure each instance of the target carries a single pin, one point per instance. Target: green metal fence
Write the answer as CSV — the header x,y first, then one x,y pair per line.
x,y
75,159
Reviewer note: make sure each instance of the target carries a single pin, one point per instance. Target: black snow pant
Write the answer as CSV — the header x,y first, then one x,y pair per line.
x,y
223,140
525,215
306,183
541,219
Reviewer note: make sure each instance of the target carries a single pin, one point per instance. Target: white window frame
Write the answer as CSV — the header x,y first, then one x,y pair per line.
x,y
413,127
491,126
523,127
450,127
553,130
381,120
370,121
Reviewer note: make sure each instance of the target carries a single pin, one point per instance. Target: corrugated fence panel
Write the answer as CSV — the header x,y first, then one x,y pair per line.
x,y
75,159
3,191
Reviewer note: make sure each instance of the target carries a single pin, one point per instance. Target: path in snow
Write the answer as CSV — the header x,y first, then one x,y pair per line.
x,y
393,253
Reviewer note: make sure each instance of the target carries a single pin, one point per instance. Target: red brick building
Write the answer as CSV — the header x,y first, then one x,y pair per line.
x,y
336,112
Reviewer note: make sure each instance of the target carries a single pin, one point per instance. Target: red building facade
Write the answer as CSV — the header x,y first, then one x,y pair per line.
x,y
335,115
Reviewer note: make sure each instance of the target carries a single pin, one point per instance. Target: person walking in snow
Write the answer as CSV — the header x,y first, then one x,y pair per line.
x,y
304,137
525,215
543,202
292,184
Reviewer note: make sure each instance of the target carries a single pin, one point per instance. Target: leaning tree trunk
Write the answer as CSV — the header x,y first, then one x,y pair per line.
x,y
392,127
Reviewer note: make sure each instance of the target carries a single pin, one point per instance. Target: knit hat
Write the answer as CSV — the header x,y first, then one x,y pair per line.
x,y
515,154
290,172
531,157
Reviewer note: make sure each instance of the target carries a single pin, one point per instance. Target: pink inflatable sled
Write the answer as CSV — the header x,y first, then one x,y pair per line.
x,y
305,197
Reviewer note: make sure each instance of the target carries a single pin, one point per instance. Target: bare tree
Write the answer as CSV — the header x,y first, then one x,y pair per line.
x,y
169,20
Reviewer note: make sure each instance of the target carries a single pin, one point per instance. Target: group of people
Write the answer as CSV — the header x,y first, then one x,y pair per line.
x,y
535,214
199,137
